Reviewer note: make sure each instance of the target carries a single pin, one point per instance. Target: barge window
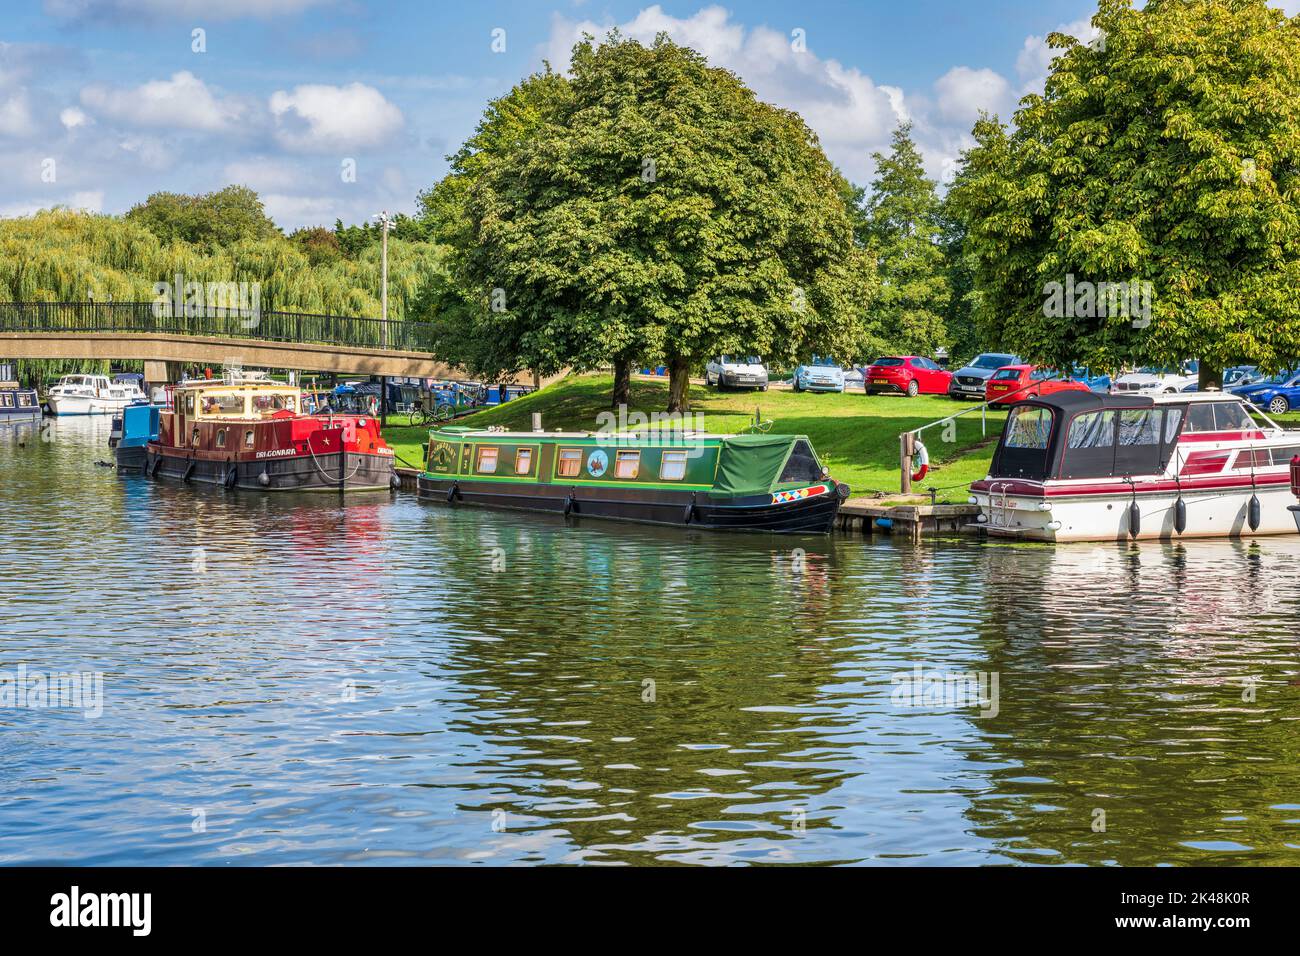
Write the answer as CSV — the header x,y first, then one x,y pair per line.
x,y
1283,456
272,403
7,401
523,461
627,464
1092,430
26,400
672,466
570,462
248,438
194,436
221,438
487,461
801,465
1030,427
223,405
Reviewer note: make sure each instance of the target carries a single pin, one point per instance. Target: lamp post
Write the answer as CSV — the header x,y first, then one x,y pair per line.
x,y
386,222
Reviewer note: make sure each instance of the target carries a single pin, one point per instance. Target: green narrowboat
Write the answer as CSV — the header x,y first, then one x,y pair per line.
x,y
769,483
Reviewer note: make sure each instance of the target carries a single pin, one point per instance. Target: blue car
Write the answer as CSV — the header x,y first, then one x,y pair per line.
x,y
1095,382
1278,393
822,374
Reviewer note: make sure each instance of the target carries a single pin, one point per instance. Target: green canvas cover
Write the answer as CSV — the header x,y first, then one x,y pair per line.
x,y
751,464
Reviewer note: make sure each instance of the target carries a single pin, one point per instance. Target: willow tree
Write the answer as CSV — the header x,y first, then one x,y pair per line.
x,y
659,208
1164,155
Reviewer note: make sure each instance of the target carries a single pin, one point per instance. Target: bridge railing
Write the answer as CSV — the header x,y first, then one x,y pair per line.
x,y
261,324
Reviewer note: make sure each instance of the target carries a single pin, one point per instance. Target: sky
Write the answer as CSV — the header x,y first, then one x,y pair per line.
x,y
337,109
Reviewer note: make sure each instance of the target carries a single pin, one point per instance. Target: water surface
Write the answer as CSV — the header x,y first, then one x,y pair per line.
x,y
288,681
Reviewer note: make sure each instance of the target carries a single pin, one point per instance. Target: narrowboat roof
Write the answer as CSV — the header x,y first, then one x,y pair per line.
x,y
458,433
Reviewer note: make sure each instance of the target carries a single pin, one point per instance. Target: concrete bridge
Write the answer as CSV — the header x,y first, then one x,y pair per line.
x,y
167,339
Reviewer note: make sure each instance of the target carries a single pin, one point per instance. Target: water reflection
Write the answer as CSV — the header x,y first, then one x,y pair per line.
x,y
397,682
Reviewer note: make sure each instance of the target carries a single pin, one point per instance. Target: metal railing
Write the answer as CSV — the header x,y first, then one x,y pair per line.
x,y
262,324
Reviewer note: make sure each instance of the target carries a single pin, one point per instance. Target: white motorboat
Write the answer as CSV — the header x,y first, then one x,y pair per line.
x,y
91,395
1078,466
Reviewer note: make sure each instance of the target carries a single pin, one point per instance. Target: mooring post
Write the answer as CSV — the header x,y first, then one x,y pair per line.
x,y
905,449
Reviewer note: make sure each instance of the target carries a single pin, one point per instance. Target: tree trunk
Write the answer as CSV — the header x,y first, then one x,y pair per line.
x,y
622,383
1209,378
679,384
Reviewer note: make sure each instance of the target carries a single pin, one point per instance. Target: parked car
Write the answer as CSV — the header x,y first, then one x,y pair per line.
x,y
1154,380
1096,382
1278,393
1241,375
970,380
854,378
822,374
1015,383
730,371
908,375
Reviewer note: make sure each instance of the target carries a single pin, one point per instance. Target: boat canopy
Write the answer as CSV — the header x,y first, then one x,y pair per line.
x,y
758,464
1087,435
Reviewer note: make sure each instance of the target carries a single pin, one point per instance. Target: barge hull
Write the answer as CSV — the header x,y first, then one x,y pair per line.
x,y
362,472
815,515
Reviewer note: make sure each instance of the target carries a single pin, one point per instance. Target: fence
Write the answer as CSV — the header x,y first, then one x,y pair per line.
x,y
264,325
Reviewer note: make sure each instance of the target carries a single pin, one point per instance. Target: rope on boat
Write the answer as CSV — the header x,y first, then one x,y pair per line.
x,y
326,475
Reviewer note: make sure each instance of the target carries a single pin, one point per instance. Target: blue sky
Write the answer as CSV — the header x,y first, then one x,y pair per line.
x,y
105,101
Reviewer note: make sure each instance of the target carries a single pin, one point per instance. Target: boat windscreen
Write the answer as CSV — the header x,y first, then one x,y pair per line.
x,y
1025,449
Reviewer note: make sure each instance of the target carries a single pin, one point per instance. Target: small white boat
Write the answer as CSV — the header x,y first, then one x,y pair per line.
x,y
91,395
1078,466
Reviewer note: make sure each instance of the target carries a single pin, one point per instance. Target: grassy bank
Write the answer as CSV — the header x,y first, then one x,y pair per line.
x,y
855,435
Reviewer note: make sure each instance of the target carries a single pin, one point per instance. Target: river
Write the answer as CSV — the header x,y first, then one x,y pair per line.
x,y
289,681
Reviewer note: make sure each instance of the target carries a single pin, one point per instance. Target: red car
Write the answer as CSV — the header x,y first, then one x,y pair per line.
x,y
907,375
1013,383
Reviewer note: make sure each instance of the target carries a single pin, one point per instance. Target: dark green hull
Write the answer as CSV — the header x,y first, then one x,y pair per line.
x,y
678,508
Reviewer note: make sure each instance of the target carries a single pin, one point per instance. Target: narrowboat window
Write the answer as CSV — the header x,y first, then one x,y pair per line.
x,y
1231,417
223,405
7,400
266,404
801,465
1092,430
189,403
1139,426
523,461
1200,417
570,462
194,436
248,438
627,464
221,438
672,466
1029,427
25,400
487,461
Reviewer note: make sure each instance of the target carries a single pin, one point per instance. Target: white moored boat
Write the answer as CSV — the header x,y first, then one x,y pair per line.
x,y
91,395
1077,466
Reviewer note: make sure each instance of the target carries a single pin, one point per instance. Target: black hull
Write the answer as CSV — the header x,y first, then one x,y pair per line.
x,y
361,473
132,460
682,509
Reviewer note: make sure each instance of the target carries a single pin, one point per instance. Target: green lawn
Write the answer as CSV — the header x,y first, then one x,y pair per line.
x,y
855,435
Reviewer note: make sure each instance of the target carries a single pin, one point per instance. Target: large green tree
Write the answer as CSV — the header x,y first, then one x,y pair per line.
x,y
904,231
1166,152
657,208
215,219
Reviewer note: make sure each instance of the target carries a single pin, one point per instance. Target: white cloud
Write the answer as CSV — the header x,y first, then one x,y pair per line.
x,y
262,174
963,92
290,212
1036,56
126,10
72,117
16,115
320,118
1290,7
89,201
182,102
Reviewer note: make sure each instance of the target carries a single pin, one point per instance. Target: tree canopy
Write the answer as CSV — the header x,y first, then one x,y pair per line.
x,y
220,218
654,208
1166,152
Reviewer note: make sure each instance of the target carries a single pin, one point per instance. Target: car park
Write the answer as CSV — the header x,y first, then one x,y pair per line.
x,y
1277,394
1015,383
822,374
730,371
970,380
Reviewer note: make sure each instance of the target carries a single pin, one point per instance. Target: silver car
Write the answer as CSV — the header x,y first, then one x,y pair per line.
x,y
969,382
729,371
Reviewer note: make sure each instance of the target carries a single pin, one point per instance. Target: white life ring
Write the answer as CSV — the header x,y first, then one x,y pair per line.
x,y
920,458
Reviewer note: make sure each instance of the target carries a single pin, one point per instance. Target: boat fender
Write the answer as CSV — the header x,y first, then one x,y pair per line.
x,y
1134,519
571,502
1180,515
690,508
231,476
1252,513
189,470
453,492
263,479
394,481
921,458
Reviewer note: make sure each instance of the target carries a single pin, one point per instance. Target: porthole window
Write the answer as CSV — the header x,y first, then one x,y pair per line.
x,y
221,438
